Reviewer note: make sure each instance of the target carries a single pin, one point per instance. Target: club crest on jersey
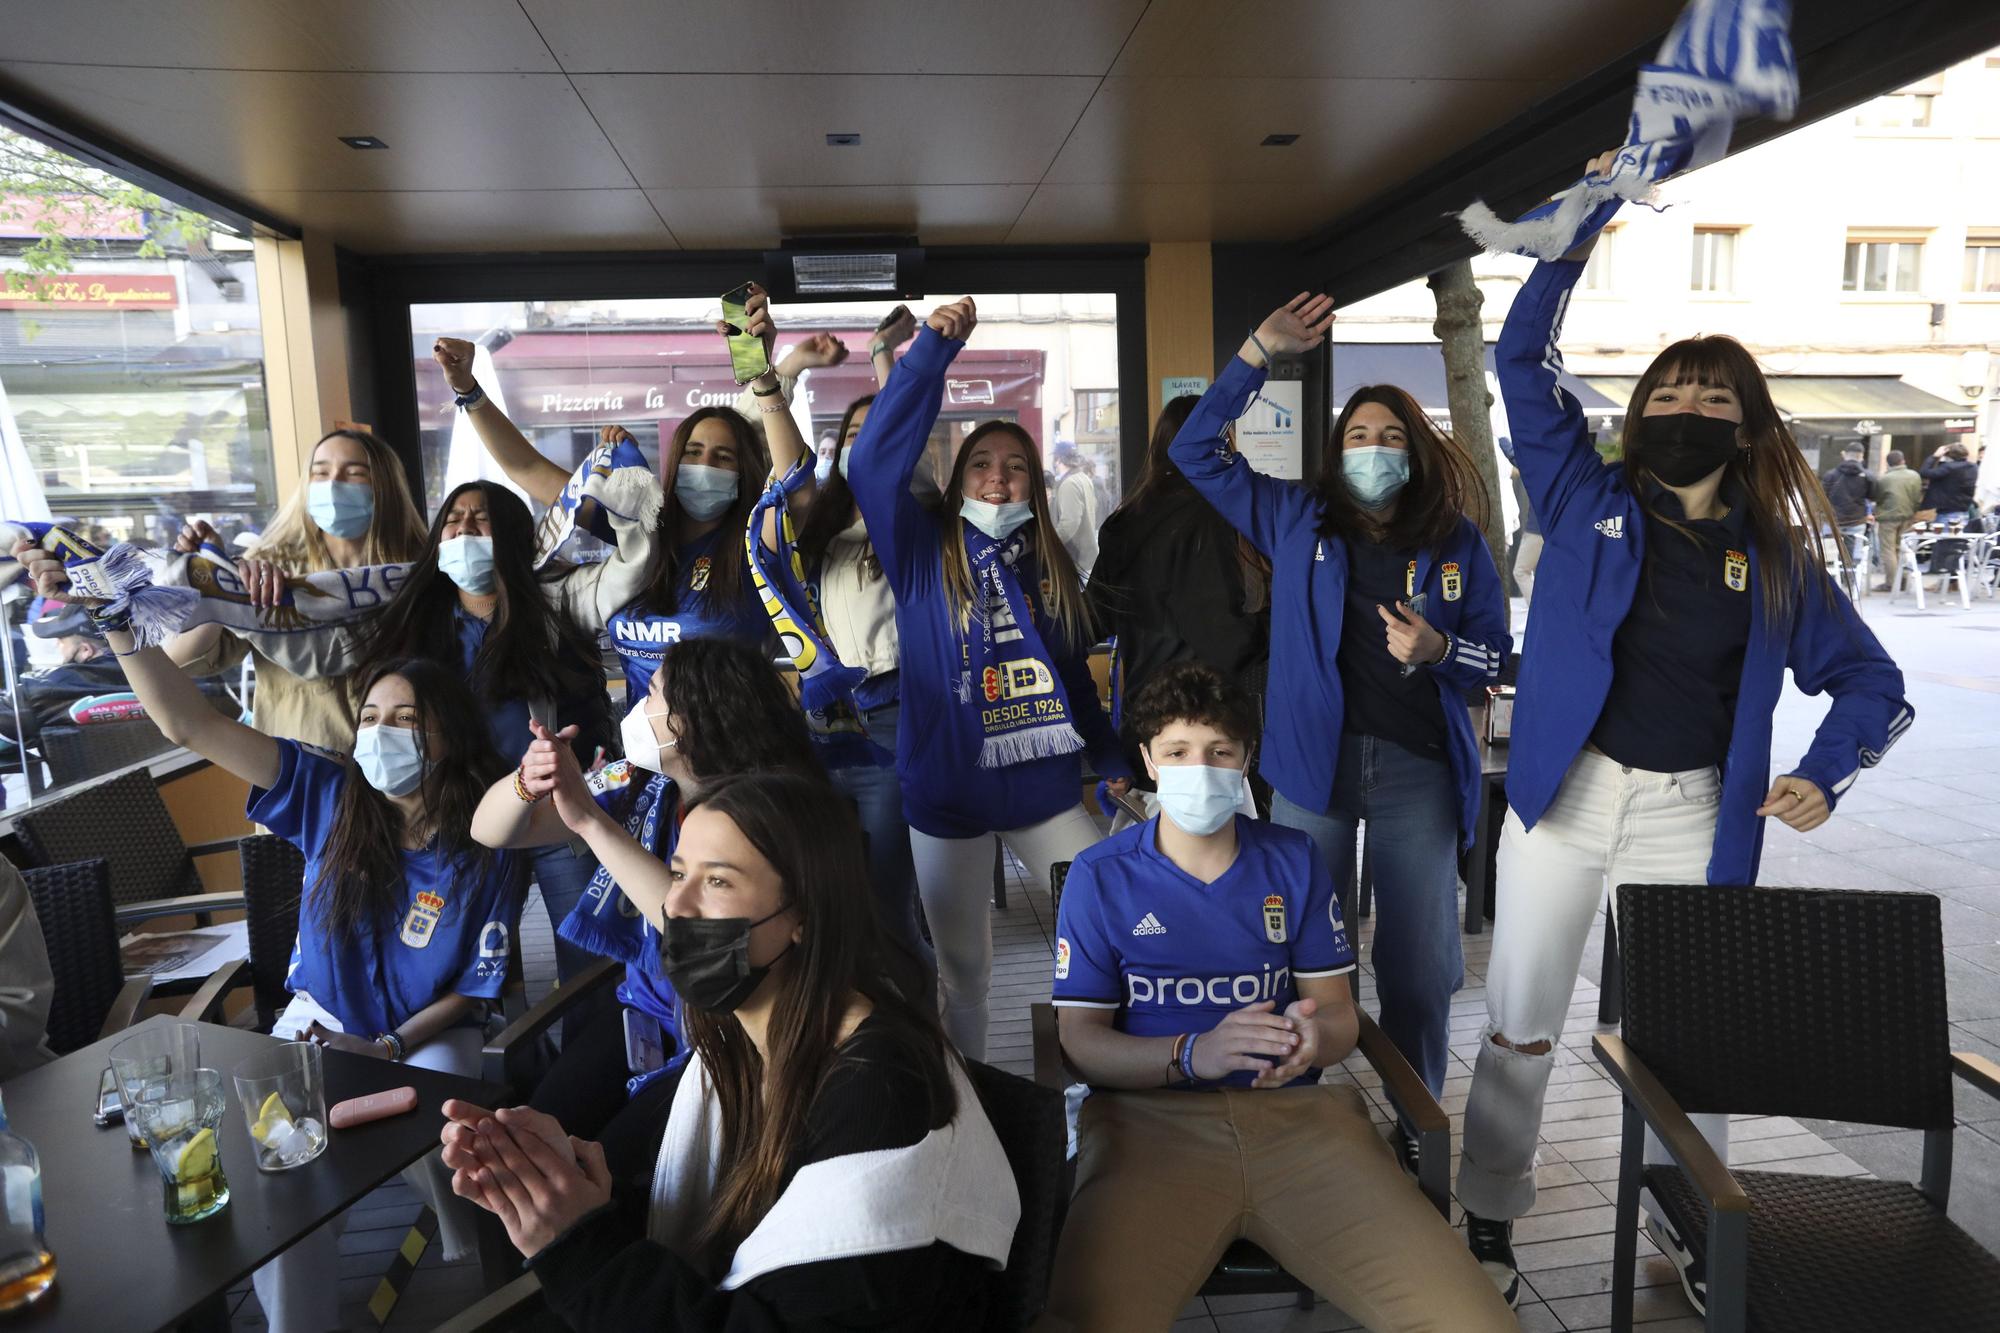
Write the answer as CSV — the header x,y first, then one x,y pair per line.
x,y
1410,580
698,576
1062,959
422,921
1454,583
1274,918
1736,571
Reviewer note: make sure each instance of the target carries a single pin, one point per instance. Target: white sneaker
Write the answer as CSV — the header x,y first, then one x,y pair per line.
x,y
1694,1273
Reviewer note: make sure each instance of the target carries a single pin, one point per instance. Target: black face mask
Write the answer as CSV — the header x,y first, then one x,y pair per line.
x,y
1683,447
707,960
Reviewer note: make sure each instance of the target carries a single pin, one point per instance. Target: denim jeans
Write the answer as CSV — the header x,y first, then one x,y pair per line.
x,y
1411,809
562,875
878,798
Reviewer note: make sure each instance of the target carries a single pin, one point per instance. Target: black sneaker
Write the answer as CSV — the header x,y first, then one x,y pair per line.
x,y
1405,1148
1492,1244
1694,1273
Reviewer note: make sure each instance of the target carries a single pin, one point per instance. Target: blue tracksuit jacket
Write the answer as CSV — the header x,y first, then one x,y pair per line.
x,y
1304,706
1594,532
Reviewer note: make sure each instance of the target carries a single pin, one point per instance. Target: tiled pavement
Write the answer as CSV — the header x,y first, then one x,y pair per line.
x,y
1928,818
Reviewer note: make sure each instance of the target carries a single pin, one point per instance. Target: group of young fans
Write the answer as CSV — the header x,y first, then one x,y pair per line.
x,y
773,1127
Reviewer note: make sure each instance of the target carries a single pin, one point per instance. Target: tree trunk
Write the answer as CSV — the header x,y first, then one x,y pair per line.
x,y
1463,336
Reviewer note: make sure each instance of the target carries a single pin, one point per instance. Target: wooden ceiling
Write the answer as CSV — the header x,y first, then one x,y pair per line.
x,y
518,125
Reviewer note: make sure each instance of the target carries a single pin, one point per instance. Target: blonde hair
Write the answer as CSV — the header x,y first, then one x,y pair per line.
x,y
294,542
1061,590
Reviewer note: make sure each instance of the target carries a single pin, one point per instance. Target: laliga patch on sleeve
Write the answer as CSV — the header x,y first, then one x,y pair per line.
x,y
1062,959
614,776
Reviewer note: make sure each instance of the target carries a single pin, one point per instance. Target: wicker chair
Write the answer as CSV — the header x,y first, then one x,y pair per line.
x,y
273,873
1794,1002
77,753
92,999
1246,1269
126,822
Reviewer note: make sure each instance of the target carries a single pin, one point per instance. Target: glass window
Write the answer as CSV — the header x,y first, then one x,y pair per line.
x,y
1882,266
562,369
1714,265
1982,265
131,396
1597,269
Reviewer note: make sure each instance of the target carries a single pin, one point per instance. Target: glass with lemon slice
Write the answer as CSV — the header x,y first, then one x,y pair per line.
x,y
179,1116
283,1096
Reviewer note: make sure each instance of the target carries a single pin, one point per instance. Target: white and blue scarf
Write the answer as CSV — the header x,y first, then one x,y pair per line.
x,y
1723,60
826,684
1010,706
612,479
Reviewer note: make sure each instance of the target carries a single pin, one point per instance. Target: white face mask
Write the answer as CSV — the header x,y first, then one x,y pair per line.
x,y
705,492
997,521
1198,798
468,562
642,747
389,759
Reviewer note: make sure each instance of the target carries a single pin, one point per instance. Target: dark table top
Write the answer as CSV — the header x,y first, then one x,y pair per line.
x,y
119,1264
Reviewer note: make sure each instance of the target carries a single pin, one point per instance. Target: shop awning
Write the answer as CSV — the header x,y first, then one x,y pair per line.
x,y
1418,369
1844,400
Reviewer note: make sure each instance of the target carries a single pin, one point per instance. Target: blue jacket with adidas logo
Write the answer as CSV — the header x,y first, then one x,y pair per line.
x,y
1304,704
1594,533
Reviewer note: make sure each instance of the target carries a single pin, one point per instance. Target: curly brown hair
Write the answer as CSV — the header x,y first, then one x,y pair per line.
x,y
1190,692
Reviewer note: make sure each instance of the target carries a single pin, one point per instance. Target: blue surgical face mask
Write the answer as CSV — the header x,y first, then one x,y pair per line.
x,y
823,469
705,492
996,521
1198,798
1375,474
343,508
388,757
468,562
845,452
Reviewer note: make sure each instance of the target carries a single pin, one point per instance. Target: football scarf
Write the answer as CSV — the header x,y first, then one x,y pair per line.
x,y
613,479
1722,61
826,684
604,920
1009,695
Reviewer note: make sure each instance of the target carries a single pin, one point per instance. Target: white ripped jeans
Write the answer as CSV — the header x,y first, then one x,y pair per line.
x,y
955,880
1608,824
300,1289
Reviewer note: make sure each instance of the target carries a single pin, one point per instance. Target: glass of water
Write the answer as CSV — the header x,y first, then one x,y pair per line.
x,y
283,1096
179,1116
148,1058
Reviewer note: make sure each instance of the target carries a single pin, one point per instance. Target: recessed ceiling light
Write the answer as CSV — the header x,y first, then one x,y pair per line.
x,y
362,141
1279,140
843,141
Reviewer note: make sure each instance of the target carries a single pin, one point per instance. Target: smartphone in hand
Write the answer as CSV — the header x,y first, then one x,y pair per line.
x,y
747,359
888,321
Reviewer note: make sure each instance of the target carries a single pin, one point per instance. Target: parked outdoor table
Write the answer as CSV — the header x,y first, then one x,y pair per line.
x,y
120,1265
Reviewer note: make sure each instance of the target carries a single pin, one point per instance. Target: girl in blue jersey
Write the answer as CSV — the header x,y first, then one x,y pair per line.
x,y
404,921
1385,611
715,707
998,700
1675,590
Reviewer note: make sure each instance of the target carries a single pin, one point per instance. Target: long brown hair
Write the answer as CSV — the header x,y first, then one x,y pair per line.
x,y
833,506
1444,485
293,540
1162,479
1787,509
726,561
360,881
808,832
1062,598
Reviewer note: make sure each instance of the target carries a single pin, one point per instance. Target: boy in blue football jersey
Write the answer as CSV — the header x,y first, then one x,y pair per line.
x,y
1203,952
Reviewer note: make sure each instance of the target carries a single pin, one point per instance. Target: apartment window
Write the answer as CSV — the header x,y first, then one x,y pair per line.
x,y
1714,264
1982,264
1898,111
1882,265
1097,415
1597,269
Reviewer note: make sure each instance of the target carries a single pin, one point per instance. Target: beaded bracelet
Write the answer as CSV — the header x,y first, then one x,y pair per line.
x,y
521,789
394,1045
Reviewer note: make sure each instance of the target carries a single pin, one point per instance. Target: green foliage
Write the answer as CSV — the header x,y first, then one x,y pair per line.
x,y
57,196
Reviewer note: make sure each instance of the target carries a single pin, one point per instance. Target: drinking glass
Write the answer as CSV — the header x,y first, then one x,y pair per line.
x,y
283,1096
148,1058
179,1116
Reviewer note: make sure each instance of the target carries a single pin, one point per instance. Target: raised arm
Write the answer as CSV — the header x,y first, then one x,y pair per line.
x,y
519,459
549,768
781,428
885,455
896,328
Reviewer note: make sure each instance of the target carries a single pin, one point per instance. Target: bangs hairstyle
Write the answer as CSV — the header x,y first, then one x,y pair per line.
x,y
734,713
1060,592
532,650
808,832
1787,507
294,541
360,882
1190,692
833,506
727,574
1444,484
